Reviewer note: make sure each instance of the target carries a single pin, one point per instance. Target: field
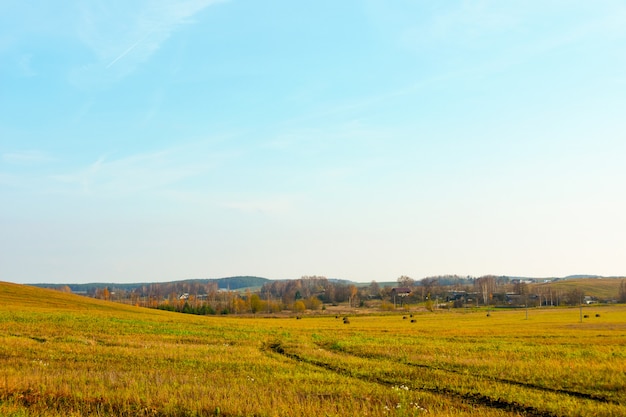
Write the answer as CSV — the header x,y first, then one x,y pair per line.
x,y
603,288
66,355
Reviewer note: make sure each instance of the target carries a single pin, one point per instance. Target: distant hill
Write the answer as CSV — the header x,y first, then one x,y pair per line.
x,y
235,283
232,283
582,276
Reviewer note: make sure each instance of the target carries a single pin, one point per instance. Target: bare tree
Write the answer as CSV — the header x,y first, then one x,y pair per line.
x,y
405,281
487,286
574,296
374,290
521,288
429,285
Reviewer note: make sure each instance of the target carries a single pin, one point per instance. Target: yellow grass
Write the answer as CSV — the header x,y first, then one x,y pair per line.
x,y
65,355
602,288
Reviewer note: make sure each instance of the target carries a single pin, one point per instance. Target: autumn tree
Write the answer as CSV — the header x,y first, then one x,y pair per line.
x,y
299,306
239,305
104,294
256,304
313,303
353,295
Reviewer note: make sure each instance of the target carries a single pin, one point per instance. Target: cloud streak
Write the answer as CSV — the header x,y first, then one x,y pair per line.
x,y
126,175
145,172
126,52
144,25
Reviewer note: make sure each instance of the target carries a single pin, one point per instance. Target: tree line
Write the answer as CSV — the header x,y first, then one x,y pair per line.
x,y
316,292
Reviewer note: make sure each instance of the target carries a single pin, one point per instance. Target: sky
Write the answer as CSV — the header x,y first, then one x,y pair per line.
x,y
160,140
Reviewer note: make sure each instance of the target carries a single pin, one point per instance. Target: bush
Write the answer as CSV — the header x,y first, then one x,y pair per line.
x,y
386,306
313,303
299,306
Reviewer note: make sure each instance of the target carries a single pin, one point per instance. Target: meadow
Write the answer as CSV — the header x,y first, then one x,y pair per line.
x,y
67,355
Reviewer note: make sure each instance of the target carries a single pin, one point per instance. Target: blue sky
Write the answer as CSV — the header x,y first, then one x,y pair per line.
x,y
164,140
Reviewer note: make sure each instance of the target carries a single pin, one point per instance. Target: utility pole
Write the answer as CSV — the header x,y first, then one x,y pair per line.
x,y
581,307
526,306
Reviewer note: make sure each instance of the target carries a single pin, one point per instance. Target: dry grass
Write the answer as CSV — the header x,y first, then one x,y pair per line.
x,y
602,288
67,355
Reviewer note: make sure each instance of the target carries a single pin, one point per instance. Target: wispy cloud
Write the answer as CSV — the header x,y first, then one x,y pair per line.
x,y
505,33
125,175
125,35
26,157
142,172
511,31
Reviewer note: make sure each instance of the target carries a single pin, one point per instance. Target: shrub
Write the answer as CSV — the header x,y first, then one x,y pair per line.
x,y
313,303
386,306
299,306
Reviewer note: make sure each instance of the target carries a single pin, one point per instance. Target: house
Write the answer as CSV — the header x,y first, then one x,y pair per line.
x,y
400,291
589,299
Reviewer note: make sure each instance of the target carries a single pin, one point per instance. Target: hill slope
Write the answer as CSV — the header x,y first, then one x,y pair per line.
x,y
17,297
601,288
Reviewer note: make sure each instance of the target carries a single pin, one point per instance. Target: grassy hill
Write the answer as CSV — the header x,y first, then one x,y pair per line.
x,y
601,288
25,298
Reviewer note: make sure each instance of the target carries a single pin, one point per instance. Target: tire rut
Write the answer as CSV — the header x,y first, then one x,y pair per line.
x,y
571,393
470,398
576,394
